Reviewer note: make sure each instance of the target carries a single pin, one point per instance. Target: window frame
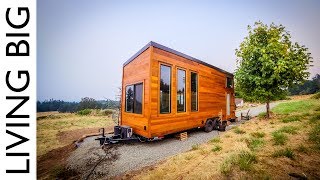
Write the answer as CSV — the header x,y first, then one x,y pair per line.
x,y
134,96
170,89
197,85
185,89
227,81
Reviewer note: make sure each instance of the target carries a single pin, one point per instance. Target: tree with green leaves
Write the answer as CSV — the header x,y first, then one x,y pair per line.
x,y
268,63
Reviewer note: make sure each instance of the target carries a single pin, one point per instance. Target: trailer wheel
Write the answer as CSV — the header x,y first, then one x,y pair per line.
x,y
208,127
222,126
215,124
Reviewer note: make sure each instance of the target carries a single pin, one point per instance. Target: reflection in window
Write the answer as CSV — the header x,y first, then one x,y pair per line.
x,y
137,105
229,82
194,91
165,87
181,94
134,98
129,98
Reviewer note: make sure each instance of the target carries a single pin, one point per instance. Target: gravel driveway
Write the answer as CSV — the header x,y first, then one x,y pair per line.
x,y
135,155
255,111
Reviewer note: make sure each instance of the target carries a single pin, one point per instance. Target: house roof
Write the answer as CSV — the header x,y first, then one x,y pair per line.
x,y
159,46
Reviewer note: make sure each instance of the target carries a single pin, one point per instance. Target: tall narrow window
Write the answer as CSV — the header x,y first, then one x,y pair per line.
x,y
134,98
165,88
194,91
129,98
181,92
137,105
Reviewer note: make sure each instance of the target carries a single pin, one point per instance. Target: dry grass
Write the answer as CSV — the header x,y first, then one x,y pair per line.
x,y
251,155
53,123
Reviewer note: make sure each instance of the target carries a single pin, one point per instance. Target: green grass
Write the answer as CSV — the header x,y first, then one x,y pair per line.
x,y
301,148
216,148
316,96
296,106
244,160
258,134
315,118
288,129
237,130
279,138
314,135
255,143
226,165
262,115
84,112
290,119
215,140
284,153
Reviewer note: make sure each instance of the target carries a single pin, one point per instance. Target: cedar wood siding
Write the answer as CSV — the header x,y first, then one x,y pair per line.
x,y
137,71
211,94
145,68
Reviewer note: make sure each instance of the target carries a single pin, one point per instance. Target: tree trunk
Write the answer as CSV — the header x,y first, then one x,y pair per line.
x,y
268,110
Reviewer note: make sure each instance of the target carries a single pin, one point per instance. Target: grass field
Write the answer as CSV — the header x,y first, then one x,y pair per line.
x,y
286,145
55,129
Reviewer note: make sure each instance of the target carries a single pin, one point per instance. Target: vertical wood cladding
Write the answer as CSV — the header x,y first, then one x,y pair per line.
x,y
212,93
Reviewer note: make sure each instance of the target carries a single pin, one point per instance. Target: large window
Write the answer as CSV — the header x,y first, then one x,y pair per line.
x,y
229,82
165,88
194,91
181,93
134,98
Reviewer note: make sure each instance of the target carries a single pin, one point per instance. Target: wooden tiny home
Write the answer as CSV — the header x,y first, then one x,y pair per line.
x,y
165,91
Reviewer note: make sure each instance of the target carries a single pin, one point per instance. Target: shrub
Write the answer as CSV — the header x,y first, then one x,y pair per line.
x,y
284,153
258,134
255,143
107,112
84,112
279,138
215,140
290,119
216,148
237,130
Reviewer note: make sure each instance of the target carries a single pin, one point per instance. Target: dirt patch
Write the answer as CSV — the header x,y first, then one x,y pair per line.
x,y
53,162
66,137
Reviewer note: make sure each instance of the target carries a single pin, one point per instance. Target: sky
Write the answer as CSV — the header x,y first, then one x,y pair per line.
x,y
83,44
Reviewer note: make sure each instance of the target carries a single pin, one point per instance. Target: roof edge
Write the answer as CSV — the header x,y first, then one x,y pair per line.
x,y
159,46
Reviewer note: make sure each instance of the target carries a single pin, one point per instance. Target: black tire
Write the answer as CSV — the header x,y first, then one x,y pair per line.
x,y
215,124
222,126
208,127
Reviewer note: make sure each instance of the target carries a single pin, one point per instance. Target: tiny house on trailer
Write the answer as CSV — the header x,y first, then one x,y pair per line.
x,y
165,91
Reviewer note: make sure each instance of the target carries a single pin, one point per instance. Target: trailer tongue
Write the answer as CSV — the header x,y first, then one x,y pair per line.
x,y
121,133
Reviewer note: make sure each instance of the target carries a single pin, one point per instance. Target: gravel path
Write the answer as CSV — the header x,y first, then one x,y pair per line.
x,y
131,155
135,155
255,111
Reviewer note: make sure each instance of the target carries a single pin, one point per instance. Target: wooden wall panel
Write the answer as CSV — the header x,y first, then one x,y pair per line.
x,y
212,95
138,71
